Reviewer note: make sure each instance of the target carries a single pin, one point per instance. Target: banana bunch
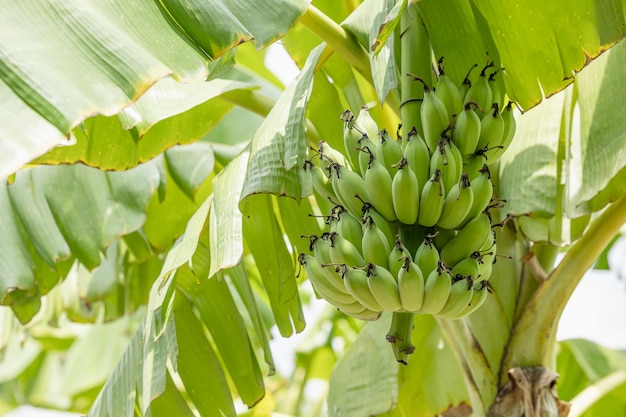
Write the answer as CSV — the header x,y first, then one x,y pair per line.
x,y
409,229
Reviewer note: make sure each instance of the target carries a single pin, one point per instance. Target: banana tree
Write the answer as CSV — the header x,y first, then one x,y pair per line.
x,y
156,196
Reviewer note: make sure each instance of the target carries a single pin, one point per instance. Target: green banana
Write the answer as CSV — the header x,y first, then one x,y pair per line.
x,y
352,308
379,182
356,280
388,151
399,335
467,241
329,155
445,160
351,140
396,256
366,149
390,229
482,188
496,93
384,287
318,275
411,286
427,256
418,157
434,115
349,227
442,237
467,267
460,297
447,92
347,185
436,290
508,133
321,183
431,200
491,130
475,164
466,83
457,204
486,256
366,123
405,193
479,296
344,252
320,246
467,130
375,245
367,315
480,91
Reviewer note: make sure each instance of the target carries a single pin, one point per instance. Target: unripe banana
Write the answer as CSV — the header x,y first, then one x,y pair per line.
x,y
427,256
431,200
388,151
344,252
467,267
418,157
480,91
467,241
329,155
397,256
479,295
321,183
352,308
367,315
384,287
405,193
436,290
485,265
460,297
347,185
349,227
318,276
390,229
366,150
434,115
447,92
475,164
466,83
320,246
508,134
355,280
482,188
366,123
457,204
491,131
399,335
444,160
379,184
467,130
351,140
496,94
375,245
411,286
486,256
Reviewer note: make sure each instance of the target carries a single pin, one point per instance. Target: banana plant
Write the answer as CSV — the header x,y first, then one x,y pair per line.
x,y
155,196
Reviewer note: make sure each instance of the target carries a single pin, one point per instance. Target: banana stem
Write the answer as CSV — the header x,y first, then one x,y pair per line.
x,y
415,59
479,380
338,39
538,322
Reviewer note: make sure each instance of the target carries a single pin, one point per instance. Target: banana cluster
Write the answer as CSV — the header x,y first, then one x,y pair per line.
x,y
410,230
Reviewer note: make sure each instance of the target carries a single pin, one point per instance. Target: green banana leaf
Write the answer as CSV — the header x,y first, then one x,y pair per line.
x,y
567,156
102,56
